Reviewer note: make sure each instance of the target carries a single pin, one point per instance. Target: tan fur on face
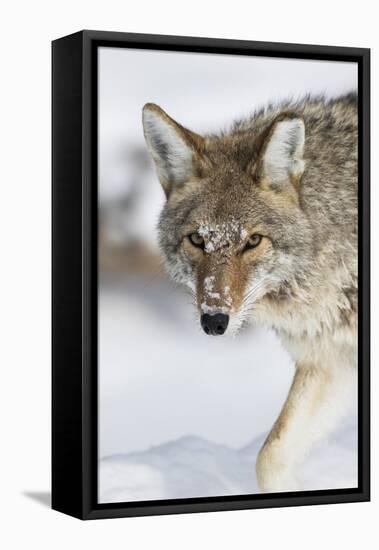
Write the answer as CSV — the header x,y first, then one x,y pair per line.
x,y
224,289
223,278
287,198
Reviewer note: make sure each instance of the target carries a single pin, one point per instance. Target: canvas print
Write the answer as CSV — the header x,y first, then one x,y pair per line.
x,y
227,260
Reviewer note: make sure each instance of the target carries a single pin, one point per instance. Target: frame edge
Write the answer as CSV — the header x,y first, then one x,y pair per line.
x,y
67,386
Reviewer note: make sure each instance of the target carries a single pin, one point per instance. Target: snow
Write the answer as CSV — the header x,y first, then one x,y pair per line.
x,y
217,236
195,467
209,283
205,308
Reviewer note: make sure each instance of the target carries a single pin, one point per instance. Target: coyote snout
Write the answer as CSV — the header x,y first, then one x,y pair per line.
x,y
221,296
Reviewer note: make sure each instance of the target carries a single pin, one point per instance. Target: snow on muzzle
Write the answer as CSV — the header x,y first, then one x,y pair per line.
x,y
215,307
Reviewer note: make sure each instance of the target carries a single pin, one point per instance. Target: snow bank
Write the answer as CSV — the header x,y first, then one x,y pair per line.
x,y
194,467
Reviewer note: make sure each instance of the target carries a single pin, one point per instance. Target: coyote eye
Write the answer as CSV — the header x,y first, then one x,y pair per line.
x,y
253,241
196,240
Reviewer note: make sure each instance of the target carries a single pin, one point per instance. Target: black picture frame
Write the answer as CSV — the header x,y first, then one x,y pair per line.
x,y
74,272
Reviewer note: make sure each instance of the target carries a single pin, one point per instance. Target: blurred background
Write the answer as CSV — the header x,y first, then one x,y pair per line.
x,y
182,414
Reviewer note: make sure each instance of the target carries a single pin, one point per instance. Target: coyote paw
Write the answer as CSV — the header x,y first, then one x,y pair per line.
x,y
274,474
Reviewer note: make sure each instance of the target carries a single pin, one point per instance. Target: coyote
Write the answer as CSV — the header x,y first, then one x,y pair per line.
x,y
260,222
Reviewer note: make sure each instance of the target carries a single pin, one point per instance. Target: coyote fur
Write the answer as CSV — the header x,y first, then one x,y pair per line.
x,y
260,222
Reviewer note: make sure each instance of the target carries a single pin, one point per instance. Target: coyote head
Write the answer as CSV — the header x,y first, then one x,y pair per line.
x,y
232,228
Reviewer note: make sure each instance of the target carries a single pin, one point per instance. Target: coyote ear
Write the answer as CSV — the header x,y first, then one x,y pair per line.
x,y
172,147
281,159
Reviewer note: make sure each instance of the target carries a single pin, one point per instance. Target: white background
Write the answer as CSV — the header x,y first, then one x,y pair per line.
x,y
27,28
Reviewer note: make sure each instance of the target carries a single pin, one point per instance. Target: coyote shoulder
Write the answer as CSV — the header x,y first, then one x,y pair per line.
x,y
260,222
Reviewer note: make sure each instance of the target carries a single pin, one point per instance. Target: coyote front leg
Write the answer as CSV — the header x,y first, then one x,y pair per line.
x,y
316,401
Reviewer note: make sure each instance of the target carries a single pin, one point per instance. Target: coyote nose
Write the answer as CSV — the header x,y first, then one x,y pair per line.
x,y
214,324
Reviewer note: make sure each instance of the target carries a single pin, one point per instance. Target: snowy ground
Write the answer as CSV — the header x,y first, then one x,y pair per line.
x,y
194,467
